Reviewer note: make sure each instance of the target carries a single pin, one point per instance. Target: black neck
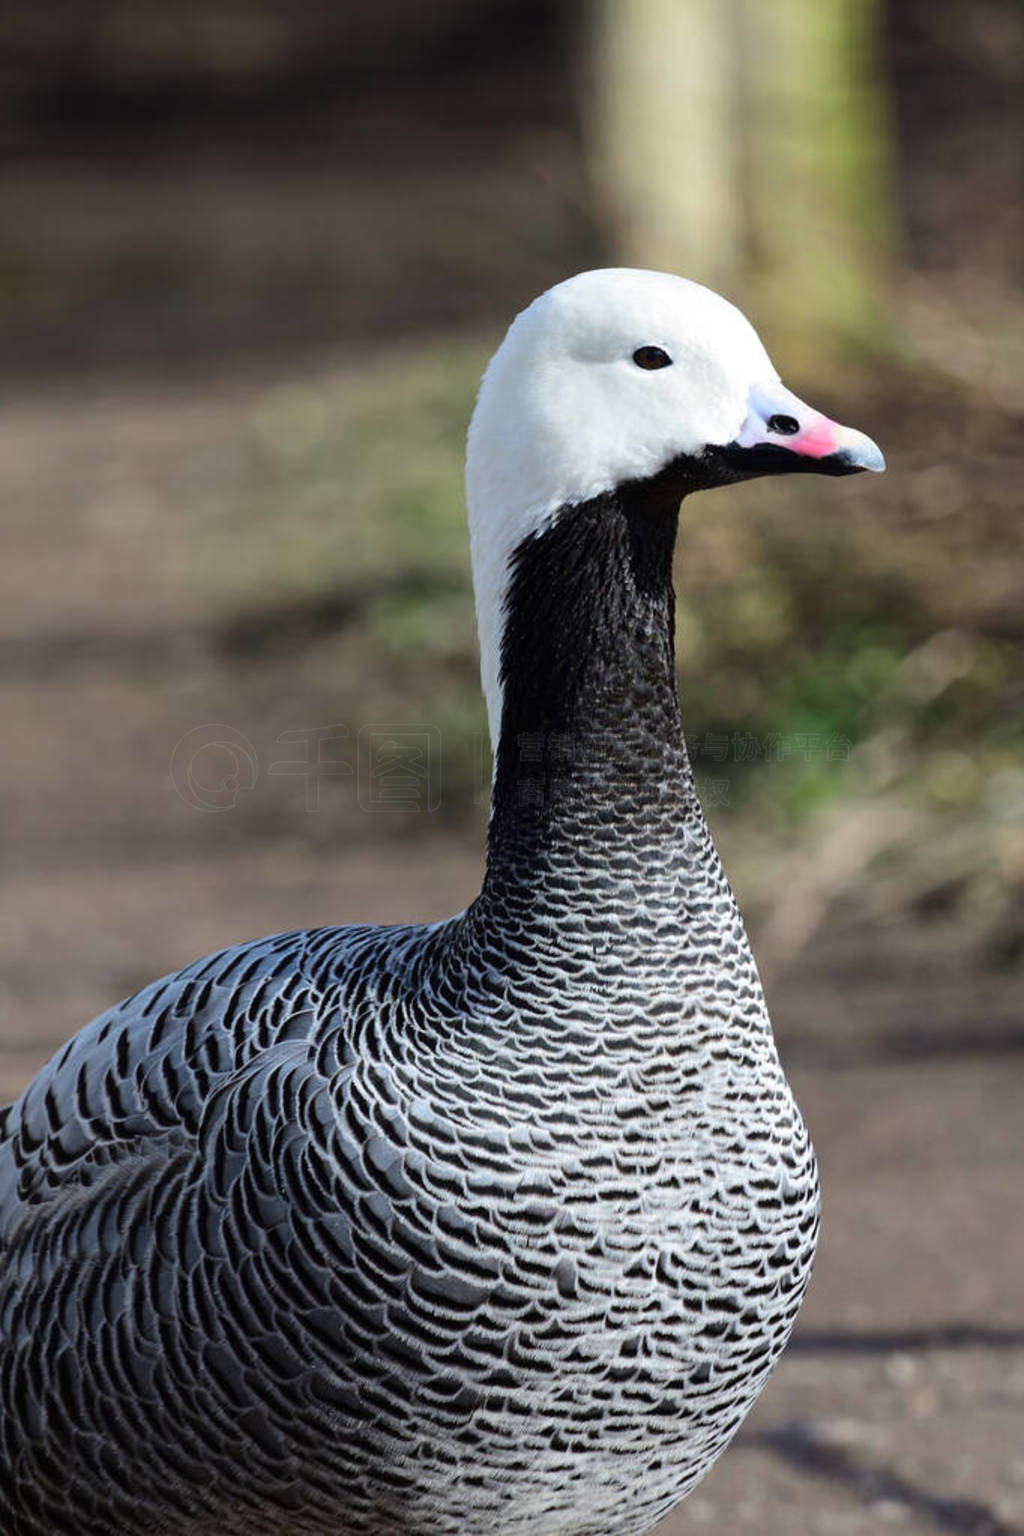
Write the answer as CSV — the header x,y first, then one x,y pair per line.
x,y
591,749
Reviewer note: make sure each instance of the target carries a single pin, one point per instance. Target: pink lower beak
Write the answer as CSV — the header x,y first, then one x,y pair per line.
x,y
781,433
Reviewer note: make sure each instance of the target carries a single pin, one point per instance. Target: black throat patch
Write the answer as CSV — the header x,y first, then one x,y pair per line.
x,y
590,723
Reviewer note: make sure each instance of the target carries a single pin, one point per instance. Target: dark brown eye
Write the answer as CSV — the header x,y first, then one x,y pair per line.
x,y
651,357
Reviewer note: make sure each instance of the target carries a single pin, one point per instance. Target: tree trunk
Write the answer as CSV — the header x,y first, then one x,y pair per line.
x,y
745,145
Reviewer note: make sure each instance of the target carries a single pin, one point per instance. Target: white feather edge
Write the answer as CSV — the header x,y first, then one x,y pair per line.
x,y
563,414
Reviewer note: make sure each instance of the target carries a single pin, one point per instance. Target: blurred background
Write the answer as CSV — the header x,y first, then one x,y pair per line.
x,y
252,261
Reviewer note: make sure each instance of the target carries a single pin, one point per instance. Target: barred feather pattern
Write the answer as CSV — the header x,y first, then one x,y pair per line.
x,y
493,1225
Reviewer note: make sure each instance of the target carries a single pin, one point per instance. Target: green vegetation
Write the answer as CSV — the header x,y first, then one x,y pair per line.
x,y
843,645
821,658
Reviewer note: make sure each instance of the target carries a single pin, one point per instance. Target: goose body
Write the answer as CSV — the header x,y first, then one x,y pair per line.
x,y
496,1225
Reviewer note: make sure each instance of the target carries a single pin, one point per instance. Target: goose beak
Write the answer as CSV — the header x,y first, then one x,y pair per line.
x,y
783,435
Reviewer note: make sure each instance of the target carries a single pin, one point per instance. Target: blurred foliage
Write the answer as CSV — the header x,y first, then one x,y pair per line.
x,y
357,201
821,656
366,477
838,641
337,530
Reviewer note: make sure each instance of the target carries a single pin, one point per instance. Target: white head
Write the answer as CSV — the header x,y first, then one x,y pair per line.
x,y
568,410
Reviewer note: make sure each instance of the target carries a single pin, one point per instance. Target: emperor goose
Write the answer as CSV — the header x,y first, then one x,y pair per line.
x,y
492,1227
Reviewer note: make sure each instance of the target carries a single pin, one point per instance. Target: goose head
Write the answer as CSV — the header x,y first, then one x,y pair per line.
x,y
620,376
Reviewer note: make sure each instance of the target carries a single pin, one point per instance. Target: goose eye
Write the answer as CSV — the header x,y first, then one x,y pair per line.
x,y
651,357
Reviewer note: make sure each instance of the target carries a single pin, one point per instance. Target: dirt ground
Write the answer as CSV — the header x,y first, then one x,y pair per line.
x,y
901,1401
